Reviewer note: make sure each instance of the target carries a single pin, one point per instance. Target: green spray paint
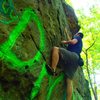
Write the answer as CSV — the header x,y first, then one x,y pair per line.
x,y
37,84
5,48
7,6
7,9
54,84
9,21
9,56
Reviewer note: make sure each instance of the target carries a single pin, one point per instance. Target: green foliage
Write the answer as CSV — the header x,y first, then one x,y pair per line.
x,y
69,2
89,21
90,24
90,27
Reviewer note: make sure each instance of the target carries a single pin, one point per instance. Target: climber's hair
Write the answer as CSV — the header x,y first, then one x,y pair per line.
x,y
81,34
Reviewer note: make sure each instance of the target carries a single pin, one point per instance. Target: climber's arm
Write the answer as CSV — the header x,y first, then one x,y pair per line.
x,y
73,41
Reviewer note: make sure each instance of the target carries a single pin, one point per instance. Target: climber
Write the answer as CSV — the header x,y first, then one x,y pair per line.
x,y
67,59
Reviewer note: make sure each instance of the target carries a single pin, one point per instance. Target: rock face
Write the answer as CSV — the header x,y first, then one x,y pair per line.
x,y
72,19
28,31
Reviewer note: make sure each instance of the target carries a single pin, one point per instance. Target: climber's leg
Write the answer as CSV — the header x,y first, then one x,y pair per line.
x,y
69,89
54,57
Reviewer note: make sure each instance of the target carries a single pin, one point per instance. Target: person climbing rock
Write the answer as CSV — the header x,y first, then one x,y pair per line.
x,y
67,59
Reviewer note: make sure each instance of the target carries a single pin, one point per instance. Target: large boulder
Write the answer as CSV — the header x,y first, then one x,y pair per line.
x,y
28,31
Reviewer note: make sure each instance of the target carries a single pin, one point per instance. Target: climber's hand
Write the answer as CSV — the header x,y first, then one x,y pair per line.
x,y
65,42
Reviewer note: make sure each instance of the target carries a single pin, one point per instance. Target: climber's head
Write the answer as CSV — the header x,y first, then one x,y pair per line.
x,y
80,34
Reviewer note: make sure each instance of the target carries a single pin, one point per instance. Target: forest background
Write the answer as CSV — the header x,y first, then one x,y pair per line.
x,y
88,13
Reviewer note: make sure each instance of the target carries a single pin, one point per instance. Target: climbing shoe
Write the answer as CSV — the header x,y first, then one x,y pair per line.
x,y
50,70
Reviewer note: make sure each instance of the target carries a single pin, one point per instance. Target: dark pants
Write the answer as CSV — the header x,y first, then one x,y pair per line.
x,y
68,61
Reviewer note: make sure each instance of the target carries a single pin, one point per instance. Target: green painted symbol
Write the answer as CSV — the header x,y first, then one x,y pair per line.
x,y
5,48
8,11
9,56
6,7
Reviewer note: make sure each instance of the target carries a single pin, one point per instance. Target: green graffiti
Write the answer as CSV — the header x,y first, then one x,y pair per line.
x,y
37,84
54,85
5,48
9,21
7,54
7,9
